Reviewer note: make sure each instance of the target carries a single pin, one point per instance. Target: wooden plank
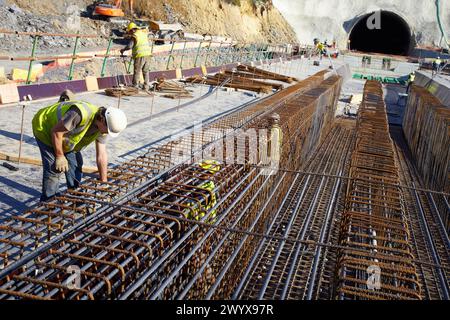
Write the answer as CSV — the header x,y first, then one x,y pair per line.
x,y
37,162
9,93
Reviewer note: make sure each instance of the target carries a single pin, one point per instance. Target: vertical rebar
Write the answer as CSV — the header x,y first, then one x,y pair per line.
x,y
207,52
129,65
198,52
33,53
102,73
218,53
170,55
182,54
72,64
21,133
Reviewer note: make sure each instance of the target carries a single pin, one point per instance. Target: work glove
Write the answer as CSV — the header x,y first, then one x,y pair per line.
x,y
61,164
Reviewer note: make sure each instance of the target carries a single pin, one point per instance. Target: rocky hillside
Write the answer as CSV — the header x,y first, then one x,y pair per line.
x,y
243,20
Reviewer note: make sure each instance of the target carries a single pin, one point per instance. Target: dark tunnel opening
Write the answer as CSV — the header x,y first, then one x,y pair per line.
x,y
393,36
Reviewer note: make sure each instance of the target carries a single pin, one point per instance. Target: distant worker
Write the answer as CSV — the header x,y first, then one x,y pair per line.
x,y
411,78
437,64
366,61
141,54
65,128
320,47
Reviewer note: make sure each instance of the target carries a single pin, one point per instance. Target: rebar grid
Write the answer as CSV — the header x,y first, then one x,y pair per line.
x,y
374,216
24,234
119,245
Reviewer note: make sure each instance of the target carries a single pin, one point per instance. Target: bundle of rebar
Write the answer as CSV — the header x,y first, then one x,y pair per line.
x,y
121,91
245,78
228,82
426,126
254,72
171,89
250,78
377,262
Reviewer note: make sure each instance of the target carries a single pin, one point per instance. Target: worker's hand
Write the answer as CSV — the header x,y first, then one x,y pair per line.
x,y
61,164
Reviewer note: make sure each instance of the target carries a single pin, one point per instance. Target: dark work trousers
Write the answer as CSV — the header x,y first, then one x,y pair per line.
x,y
50,177
141,64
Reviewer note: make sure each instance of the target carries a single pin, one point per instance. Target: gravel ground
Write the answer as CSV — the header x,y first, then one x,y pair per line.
x,y
17,19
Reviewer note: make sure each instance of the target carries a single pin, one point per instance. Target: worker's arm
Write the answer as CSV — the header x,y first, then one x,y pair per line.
x,y
102,160
128,47
58,132
68,122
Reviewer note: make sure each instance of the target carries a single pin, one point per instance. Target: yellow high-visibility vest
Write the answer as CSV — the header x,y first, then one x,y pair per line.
x,y
197,213
75,140
141,46
212,166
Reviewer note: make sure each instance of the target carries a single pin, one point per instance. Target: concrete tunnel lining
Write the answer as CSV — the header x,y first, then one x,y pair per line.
x,y
393,37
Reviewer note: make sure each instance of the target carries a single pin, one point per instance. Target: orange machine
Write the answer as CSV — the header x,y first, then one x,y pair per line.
x,y
111,10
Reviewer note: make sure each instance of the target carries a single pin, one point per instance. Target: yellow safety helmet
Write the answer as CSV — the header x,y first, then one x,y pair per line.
x,y
131,26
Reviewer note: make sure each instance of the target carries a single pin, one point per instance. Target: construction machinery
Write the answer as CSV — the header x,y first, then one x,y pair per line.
x,y
111,10
166,31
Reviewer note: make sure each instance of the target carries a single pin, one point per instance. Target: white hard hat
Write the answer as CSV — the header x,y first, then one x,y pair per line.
x,y
116,121
275,116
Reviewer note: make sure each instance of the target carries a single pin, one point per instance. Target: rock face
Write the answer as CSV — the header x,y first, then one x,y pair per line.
x,y
335,19
242,20
24,17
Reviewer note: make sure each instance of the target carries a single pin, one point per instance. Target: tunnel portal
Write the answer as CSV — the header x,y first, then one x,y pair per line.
x,y
392,35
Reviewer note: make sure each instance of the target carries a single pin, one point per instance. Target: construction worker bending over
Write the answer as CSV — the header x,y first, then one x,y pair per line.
x,y
210,198
141,54
62,130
